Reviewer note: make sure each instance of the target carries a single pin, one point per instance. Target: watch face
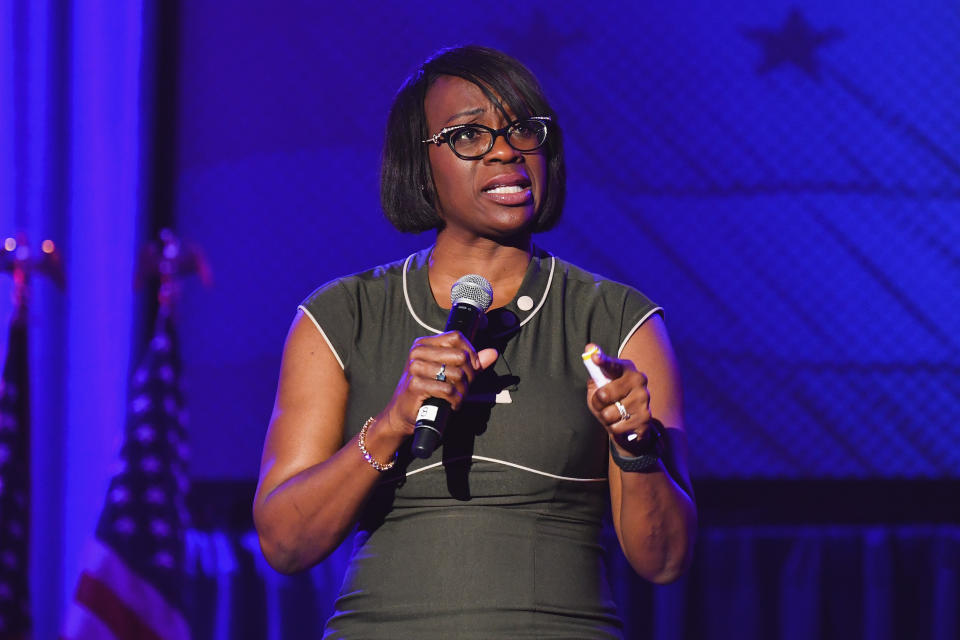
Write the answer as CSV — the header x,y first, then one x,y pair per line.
x,y
650,444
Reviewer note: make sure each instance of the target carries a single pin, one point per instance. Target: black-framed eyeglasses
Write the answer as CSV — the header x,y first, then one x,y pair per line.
x,y
473,141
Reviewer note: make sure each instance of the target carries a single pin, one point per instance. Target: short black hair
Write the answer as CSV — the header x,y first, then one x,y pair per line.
x,y
407,193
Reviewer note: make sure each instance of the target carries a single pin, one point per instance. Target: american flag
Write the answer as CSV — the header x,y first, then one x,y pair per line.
x,y
14,483
132,576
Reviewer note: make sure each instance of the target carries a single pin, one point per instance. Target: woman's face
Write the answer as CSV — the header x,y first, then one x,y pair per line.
x,y
496,196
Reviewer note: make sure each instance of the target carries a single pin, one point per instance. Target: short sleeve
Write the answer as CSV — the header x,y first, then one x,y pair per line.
x,y
637,309
333,311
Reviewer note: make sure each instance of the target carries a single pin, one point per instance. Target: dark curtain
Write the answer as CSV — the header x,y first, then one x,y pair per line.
x,y
75,153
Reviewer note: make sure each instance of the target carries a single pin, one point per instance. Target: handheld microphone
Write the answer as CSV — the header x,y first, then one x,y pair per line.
x,y
470,298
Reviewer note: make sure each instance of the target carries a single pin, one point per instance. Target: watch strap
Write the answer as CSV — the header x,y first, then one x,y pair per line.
x,y
635,464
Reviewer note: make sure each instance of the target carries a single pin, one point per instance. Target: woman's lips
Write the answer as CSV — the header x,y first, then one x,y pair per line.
x,y
515,194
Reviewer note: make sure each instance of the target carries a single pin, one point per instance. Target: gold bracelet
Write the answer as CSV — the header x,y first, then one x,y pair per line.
x,y
362,441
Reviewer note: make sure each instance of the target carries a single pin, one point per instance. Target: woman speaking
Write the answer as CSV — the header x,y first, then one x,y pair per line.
x,y
495,533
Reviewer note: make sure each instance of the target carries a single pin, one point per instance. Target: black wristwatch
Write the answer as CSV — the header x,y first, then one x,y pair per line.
x,y
646,451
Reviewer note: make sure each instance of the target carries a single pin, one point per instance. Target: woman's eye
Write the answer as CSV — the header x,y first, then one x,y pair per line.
x,y
524,131
465,135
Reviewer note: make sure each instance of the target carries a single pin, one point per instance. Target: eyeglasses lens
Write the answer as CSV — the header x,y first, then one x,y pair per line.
x,y
474,142
527,135
471,141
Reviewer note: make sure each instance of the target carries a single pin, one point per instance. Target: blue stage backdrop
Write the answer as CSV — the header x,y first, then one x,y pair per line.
x,y
783,178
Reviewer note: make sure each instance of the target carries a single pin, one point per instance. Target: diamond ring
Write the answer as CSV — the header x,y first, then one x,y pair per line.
x,y
624,415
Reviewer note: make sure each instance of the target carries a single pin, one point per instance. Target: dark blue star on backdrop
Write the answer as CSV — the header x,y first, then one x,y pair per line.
x,y
796,42
517,40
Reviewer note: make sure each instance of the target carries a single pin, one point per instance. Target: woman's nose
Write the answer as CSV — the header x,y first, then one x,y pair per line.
x,y
502,151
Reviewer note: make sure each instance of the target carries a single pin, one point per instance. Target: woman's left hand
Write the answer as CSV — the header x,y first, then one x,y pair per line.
x,y
622,405
653,513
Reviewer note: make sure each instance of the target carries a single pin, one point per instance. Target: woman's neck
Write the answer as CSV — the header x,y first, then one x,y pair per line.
x,y
504,265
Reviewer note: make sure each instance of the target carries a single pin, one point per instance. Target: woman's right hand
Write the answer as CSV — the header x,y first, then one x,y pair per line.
x,y
312,485
460,363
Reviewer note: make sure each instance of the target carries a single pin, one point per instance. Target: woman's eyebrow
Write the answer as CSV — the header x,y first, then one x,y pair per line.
x,y
469,112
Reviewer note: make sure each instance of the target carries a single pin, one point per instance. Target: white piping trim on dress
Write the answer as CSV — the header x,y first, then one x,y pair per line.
x,y
320,329
635,327
503,462
406,297
543,298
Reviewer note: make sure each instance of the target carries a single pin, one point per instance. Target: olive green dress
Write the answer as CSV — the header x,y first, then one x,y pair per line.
x,y
497,534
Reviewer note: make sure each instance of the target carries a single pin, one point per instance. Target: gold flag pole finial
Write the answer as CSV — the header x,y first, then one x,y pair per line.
x,y
19,259
168,260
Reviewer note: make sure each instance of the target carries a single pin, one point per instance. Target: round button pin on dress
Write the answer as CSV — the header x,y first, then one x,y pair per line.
x,y
525,303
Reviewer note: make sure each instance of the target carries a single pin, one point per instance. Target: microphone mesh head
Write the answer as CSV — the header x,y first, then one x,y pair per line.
x,y
472,289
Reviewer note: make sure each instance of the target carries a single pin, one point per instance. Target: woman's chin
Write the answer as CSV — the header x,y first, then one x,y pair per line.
x,y
513,220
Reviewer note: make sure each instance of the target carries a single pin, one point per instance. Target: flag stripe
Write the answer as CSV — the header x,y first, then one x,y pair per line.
x,y
81,624
123,621
138,594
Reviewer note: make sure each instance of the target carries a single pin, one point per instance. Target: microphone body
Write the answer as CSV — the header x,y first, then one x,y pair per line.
x,y
470,296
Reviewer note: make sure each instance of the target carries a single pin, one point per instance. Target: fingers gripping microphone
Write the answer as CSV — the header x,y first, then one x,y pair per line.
x,y
470,298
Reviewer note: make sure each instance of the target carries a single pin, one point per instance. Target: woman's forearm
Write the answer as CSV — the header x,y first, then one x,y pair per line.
x,y
657,525
305,518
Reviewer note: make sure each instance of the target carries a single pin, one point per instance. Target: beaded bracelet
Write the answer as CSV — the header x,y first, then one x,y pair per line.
x,y
362,441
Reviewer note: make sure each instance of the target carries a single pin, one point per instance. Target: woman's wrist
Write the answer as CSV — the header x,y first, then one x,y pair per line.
x,y
374,450
639,454
383,440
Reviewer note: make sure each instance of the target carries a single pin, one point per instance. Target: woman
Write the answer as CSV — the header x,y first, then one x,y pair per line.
x,y
495,535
